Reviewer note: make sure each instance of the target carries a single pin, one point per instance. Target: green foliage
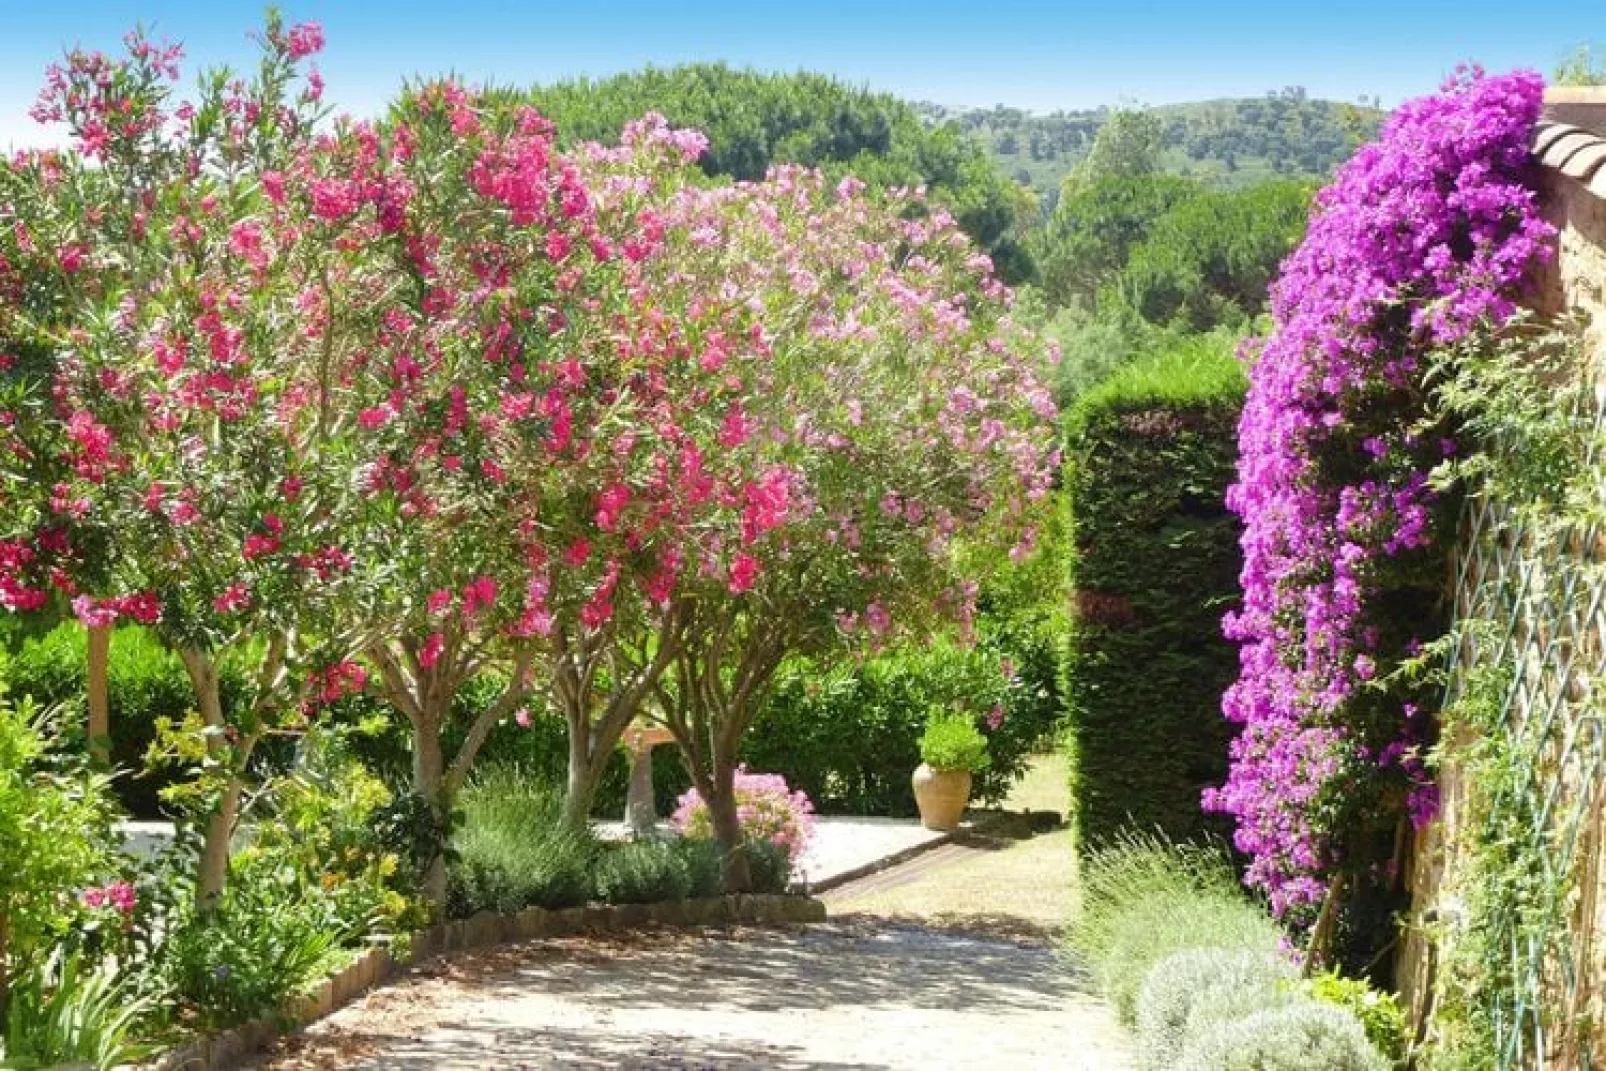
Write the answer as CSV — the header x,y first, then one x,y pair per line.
x,y
268,938
1145,899
1150,454
513,851
1088,239
66,1010
849,734
1128,145
55,821
755,120
1294,1037
952,742
244,962
1586,66
771,866
1379,1014
1208,261
1201,986
1531,438
703,866
1223,143
145,684
314,829
643,872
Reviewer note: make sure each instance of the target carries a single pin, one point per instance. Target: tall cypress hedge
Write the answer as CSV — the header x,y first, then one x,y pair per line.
x,y
1155,566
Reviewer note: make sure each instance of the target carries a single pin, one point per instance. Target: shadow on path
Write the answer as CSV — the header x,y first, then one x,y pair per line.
x,y
858,962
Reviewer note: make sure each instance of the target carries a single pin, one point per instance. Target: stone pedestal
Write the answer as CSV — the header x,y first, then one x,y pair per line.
x,y
641,811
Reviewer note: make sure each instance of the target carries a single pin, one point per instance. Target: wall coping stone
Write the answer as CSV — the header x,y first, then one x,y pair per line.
x,y
1581,106
1573,152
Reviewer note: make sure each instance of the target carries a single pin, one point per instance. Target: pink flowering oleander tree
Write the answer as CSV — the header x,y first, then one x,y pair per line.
x,y
1425,236
866,418
509,424
180,381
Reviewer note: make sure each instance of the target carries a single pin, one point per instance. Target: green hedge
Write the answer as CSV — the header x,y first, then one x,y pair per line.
x,y
848,733
144,682
1155,566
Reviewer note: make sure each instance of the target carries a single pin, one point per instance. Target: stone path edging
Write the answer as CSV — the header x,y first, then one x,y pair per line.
x,y
979,824
484,930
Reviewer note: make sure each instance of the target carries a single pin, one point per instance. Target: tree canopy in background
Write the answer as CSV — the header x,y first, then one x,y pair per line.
x,y
1223,143
754,119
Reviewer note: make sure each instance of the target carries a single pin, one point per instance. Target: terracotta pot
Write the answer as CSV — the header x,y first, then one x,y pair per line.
x,y
941,796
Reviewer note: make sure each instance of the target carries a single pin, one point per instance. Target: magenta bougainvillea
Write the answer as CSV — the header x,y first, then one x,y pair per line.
x,y
1425,235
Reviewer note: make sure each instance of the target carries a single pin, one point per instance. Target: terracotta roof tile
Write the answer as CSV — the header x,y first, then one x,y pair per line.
x,y
1574,152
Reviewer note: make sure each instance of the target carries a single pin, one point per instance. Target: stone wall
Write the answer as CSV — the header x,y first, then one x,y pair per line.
x,y
1556,641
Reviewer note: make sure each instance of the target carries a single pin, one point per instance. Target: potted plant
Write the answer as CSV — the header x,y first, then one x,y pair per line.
x,y
951,750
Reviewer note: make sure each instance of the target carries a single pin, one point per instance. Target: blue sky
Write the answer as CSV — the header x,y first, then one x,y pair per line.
x,y
1037,55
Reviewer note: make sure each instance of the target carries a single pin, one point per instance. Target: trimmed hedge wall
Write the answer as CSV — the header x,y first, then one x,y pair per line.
x,y
1155,566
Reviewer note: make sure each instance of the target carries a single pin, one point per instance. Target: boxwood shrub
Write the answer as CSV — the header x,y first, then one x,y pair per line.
x,y
1154,567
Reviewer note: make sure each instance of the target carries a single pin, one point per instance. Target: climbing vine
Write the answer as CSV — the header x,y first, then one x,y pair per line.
x,y
1521,711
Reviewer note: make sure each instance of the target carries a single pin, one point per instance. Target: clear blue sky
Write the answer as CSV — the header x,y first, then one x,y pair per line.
x,y
1038,55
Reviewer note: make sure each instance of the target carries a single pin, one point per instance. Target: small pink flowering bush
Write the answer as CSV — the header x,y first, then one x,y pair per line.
x,y
768,808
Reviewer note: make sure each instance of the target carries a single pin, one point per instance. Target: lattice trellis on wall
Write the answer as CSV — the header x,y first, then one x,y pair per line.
x,y
1535,607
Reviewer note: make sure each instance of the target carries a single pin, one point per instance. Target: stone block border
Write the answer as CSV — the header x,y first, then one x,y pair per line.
x,y
485,930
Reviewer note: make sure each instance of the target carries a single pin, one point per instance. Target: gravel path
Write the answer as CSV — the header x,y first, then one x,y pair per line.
x,y
856,994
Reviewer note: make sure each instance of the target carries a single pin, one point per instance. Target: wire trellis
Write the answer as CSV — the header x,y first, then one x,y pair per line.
x,y
1536,607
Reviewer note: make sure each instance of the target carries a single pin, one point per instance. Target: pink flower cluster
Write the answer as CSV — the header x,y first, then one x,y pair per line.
x,y
769,810
119,896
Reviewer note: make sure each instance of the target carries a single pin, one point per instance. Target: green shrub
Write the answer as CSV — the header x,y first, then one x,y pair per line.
x,y
69,1011
511,849
771,867
705,874
144,682
1144,899
1181,986
1155,566
242,963
1295,1037
55,829
642,872
313,832
1379,1014
952,742
849,735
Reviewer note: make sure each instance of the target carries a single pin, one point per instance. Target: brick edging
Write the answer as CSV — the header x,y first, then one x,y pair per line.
x,y
484,930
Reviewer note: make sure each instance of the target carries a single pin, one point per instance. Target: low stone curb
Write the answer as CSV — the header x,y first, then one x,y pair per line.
x,y
485,930
980,823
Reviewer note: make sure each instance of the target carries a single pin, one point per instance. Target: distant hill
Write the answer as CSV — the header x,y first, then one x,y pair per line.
x,y
1225,143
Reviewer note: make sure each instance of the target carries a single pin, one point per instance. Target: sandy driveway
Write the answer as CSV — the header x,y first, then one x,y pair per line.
x,y
858,994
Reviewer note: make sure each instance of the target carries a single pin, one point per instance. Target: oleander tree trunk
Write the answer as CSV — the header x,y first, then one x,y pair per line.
x,y
230,757
719,681
424,694
595,718
98,695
